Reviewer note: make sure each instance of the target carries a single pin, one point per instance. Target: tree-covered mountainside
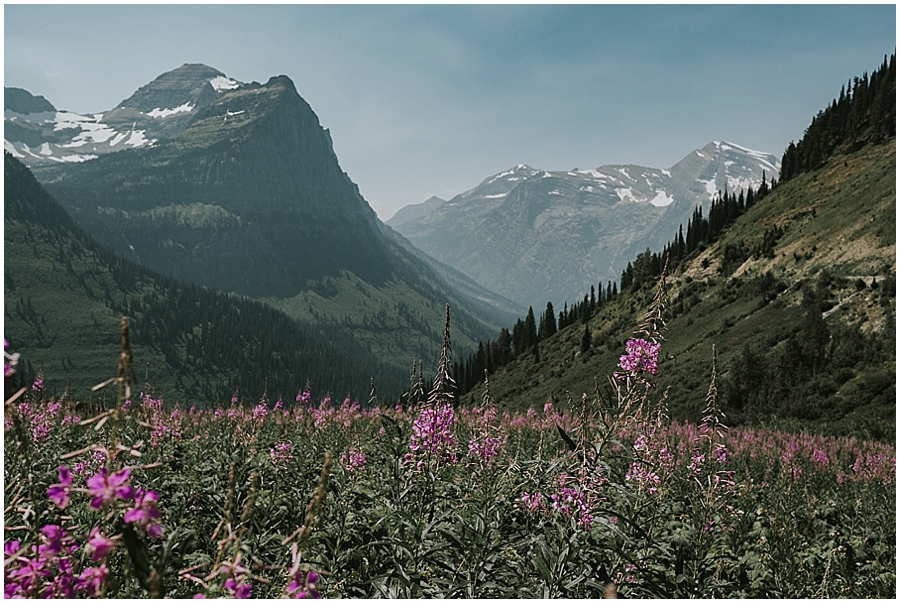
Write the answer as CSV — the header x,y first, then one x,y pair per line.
x,y
64,296
794,284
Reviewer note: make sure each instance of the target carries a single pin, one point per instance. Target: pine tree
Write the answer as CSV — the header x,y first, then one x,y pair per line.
x,y
586,340
530,329
549,320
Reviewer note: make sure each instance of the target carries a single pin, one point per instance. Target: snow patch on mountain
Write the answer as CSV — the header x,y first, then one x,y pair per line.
x,y
65,120
137,139
662,199
222,83
625,194
157,112
74,158
11,149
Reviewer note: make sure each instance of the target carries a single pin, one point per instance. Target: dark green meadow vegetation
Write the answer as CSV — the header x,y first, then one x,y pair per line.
x,y
422,498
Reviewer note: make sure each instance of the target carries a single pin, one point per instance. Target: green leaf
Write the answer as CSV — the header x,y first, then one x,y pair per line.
x,y
569,442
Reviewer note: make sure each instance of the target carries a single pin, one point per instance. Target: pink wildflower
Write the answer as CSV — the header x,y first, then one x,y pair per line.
x,y
60,493
303,585
98,545
145,512
92,579
105,487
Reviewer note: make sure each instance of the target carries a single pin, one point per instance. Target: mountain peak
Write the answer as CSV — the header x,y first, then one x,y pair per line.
x,y
191,85
23,102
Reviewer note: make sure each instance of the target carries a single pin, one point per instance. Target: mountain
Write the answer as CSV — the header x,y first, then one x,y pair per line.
x,y
37,133
534,236
65,294
248,197
412,212
798,296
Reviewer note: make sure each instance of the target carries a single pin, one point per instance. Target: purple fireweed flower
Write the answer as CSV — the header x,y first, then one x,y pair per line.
x,y
260,411
572,502
642,476
38,385
304,396
666,459
150,403
145,512
697,461
485,448
433,434
303,585
30,574
60,493
40,432
25,411
238,589
354,460
54,540
721,455
71,420
281,453
628,577
641,357
105,487
92,579
98,545
532,502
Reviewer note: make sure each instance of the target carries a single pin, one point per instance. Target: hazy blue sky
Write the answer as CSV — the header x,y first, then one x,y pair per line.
x,y
429,100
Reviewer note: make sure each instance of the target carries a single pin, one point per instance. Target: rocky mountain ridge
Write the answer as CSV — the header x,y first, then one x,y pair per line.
x,y
534,235
38,134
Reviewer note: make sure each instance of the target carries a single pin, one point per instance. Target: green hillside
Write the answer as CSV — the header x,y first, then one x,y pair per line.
x,y
798,296
65,294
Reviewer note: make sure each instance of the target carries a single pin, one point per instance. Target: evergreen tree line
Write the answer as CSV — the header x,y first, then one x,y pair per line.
x,y
864,112
214,342
526,335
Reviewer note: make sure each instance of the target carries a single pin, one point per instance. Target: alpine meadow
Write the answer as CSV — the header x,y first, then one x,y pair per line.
x,y
225,376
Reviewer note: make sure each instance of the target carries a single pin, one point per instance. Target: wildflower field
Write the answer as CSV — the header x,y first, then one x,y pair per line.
x,y
323,497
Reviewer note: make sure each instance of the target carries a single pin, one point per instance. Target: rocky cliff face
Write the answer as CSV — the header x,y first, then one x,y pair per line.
x,y
249,197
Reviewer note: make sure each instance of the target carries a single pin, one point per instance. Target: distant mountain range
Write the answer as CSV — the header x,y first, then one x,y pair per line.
x,y
236,187
536,236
